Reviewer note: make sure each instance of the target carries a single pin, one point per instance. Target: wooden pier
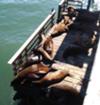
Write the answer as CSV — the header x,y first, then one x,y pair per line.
x,y
78,79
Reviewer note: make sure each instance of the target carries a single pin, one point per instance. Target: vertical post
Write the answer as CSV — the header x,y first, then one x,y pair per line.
x,y
52,18
89,3
59,11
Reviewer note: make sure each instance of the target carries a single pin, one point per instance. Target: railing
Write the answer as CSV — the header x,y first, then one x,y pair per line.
x,y
64,4
76,3
32,42
61,7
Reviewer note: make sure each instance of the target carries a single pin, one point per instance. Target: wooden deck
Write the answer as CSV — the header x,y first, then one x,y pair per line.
x,y
61,43
58,41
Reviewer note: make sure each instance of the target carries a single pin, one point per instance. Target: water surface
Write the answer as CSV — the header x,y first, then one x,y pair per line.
x,y
18,19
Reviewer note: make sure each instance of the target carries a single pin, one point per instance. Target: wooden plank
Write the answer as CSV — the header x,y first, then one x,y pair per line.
x,y
30,38
67,86
72,70
57,42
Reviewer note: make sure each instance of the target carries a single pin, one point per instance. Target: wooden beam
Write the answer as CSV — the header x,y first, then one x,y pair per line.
x,y
72,70
67,86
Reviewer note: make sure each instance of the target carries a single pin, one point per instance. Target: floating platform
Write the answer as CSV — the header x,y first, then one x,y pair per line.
x,y
69,56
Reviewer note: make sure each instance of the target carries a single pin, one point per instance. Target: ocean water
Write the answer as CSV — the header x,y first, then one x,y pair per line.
x,y
18,19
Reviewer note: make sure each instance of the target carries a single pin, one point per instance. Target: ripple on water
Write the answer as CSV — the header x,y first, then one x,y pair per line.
x,y
18,19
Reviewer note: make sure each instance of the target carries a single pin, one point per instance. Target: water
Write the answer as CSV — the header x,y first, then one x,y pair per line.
x,y
18,19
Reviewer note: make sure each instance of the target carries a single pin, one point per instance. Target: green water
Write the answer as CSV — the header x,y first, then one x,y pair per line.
x,y
18,19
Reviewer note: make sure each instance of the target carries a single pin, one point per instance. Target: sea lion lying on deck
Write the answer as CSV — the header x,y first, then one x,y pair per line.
x,y
53,76
33,72
33,69
59,71
70,12
43,52
60,27
46,47
29,72
86,39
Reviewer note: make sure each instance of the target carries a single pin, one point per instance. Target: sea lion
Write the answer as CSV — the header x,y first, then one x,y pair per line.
x,y
70,12
46,47
86,39
53,76
33,69
60,27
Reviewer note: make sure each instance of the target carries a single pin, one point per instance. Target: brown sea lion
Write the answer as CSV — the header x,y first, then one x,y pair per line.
x,y
33,69
53,76
46,47
86,39
70,12
60,27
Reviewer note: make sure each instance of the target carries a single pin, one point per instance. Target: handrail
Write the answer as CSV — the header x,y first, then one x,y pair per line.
x,y
16,55
62,1
59,9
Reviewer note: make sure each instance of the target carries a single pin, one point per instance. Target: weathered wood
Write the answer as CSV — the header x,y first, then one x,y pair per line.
x,y
57,42
76,77
73,80
67,86
72,70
